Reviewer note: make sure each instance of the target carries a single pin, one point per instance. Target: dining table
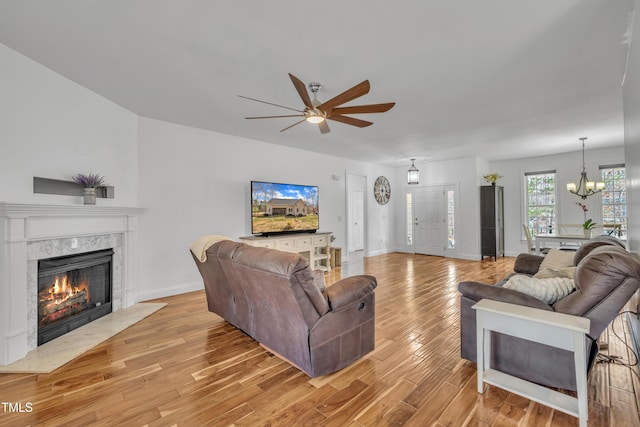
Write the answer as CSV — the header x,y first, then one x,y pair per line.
x,y
541,239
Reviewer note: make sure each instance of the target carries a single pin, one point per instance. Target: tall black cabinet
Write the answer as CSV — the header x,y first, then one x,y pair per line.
x,y
492,220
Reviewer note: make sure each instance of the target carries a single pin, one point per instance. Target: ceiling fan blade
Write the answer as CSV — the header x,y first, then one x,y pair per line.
x,y
275,117
271,103
357,91
350,121
364,109
302,90
289,127
324,127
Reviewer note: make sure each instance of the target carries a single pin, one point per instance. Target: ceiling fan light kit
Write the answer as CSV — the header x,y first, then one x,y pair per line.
x,y
317,113
315,118
584,188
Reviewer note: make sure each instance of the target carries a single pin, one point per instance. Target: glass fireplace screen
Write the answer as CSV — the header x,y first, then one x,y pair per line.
x,y
73,290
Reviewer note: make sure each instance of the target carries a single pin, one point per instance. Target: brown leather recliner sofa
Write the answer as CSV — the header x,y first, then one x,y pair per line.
x,y
274,297
606,276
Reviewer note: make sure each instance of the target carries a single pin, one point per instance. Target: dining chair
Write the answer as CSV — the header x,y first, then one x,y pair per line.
x,y
530,243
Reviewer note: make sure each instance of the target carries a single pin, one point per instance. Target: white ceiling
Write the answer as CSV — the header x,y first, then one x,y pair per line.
x,y
500,79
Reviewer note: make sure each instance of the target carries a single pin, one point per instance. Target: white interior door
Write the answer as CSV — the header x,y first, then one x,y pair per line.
x,y
356,213
430,231
358,220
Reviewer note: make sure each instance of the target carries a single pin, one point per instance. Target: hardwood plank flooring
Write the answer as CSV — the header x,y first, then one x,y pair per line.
x,y
185,366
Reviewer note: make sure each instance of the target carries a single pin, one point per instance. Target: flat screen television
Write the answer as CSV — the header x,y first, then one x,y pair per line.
x,y
283,208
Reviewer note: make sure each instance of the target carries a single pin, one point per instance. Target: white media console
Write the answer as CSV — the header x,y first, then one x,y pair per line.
x,y
314,246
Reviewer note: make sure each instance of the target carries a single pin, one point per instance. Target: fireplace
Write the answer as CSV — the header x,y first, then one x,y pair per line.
x,y
73,290
33,232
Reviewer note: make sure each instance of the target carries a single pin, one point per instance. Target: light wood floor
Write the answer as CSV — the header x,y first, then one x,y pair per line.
x,y
185,366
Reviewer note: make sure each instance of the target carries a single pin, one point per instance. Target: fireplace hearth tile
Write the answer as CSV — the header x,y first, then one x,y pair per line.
x,y
52,355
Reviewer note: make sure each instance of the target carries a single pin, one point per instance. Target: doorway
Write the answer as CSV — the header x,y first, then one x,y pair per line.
x,y
433,219
356,213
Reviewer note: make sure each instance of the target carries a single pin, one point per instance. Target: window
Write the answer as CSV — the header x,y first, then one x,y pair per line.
x,y
540,202
614,200
451,225
409,220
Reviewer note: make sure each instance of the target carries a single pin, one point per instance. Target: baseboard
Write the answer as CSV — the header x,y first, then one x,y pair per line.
x,y
513,254
633,324
167,292
469,257
381,252
634,329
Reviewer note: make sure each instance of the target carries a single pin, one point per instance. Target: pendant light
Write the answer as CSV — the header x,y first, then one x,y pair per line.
x,y
413,174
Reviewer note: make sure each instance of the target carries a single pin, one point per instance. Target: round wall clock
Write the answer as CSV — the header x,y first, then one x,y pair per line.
x,y
382,190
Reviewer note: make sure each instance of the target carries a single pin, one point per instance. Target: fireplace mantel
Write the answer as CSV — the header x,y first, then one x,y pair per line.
x,y
29,231
21,210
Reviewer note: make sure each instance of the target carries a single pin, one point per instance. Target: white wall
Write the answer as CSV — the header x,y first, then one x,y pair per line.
x,y
631,104
631,107
568,167
52,127
195,182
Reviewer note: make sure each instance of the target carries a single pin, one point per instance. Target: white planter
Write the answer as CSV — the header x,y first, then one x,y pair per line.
x,y
89,195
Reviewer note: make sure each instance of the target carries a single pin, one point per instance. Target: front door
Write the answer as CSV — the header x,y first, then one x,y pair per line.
x,y
430,229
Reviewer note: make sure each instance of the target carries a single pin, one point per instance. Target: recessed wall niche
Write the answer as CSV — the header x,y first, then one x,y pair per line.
x,y
67,188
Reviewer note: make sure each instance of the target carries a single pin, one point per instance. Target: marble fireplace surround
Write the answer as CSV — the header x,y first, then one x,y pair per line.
x,y
30,232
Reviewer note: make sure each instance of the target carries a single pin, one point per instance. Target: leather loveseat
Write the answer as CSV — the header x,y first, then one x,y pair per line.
x,y
605,277
274,297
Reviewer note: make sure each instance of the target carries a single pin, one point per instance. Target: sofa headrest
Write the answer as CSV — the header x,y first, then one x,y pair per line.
x,y
606,267
610,239
224,249
292,267
270,260
607,275
200,246
586,249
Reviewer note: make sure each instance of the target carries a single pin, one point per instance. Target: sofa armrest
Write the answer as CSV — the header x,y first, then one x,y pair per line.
x,y
346,291
527,263
318,279
478,291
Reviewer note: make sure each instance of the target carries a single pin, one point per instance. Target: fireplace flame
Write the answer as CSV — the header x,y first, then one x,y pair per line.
x,y
61,299
62,289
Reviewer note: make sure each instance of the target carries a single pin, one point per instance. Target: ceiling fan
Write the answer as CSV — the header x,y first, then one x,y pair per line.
x,y
317,112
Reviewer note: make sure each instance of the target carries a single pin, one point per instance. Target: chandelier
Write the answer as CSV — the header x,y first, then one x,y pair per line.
x,y
585,187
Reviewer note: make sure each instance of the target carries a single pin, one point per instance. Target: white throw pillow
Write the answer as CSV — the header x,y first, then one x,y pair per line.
x,y
548,290
557,259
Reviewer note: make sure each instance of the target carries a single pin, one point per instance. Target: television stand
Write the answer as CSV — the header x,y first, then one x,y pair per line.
x,y
313,246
